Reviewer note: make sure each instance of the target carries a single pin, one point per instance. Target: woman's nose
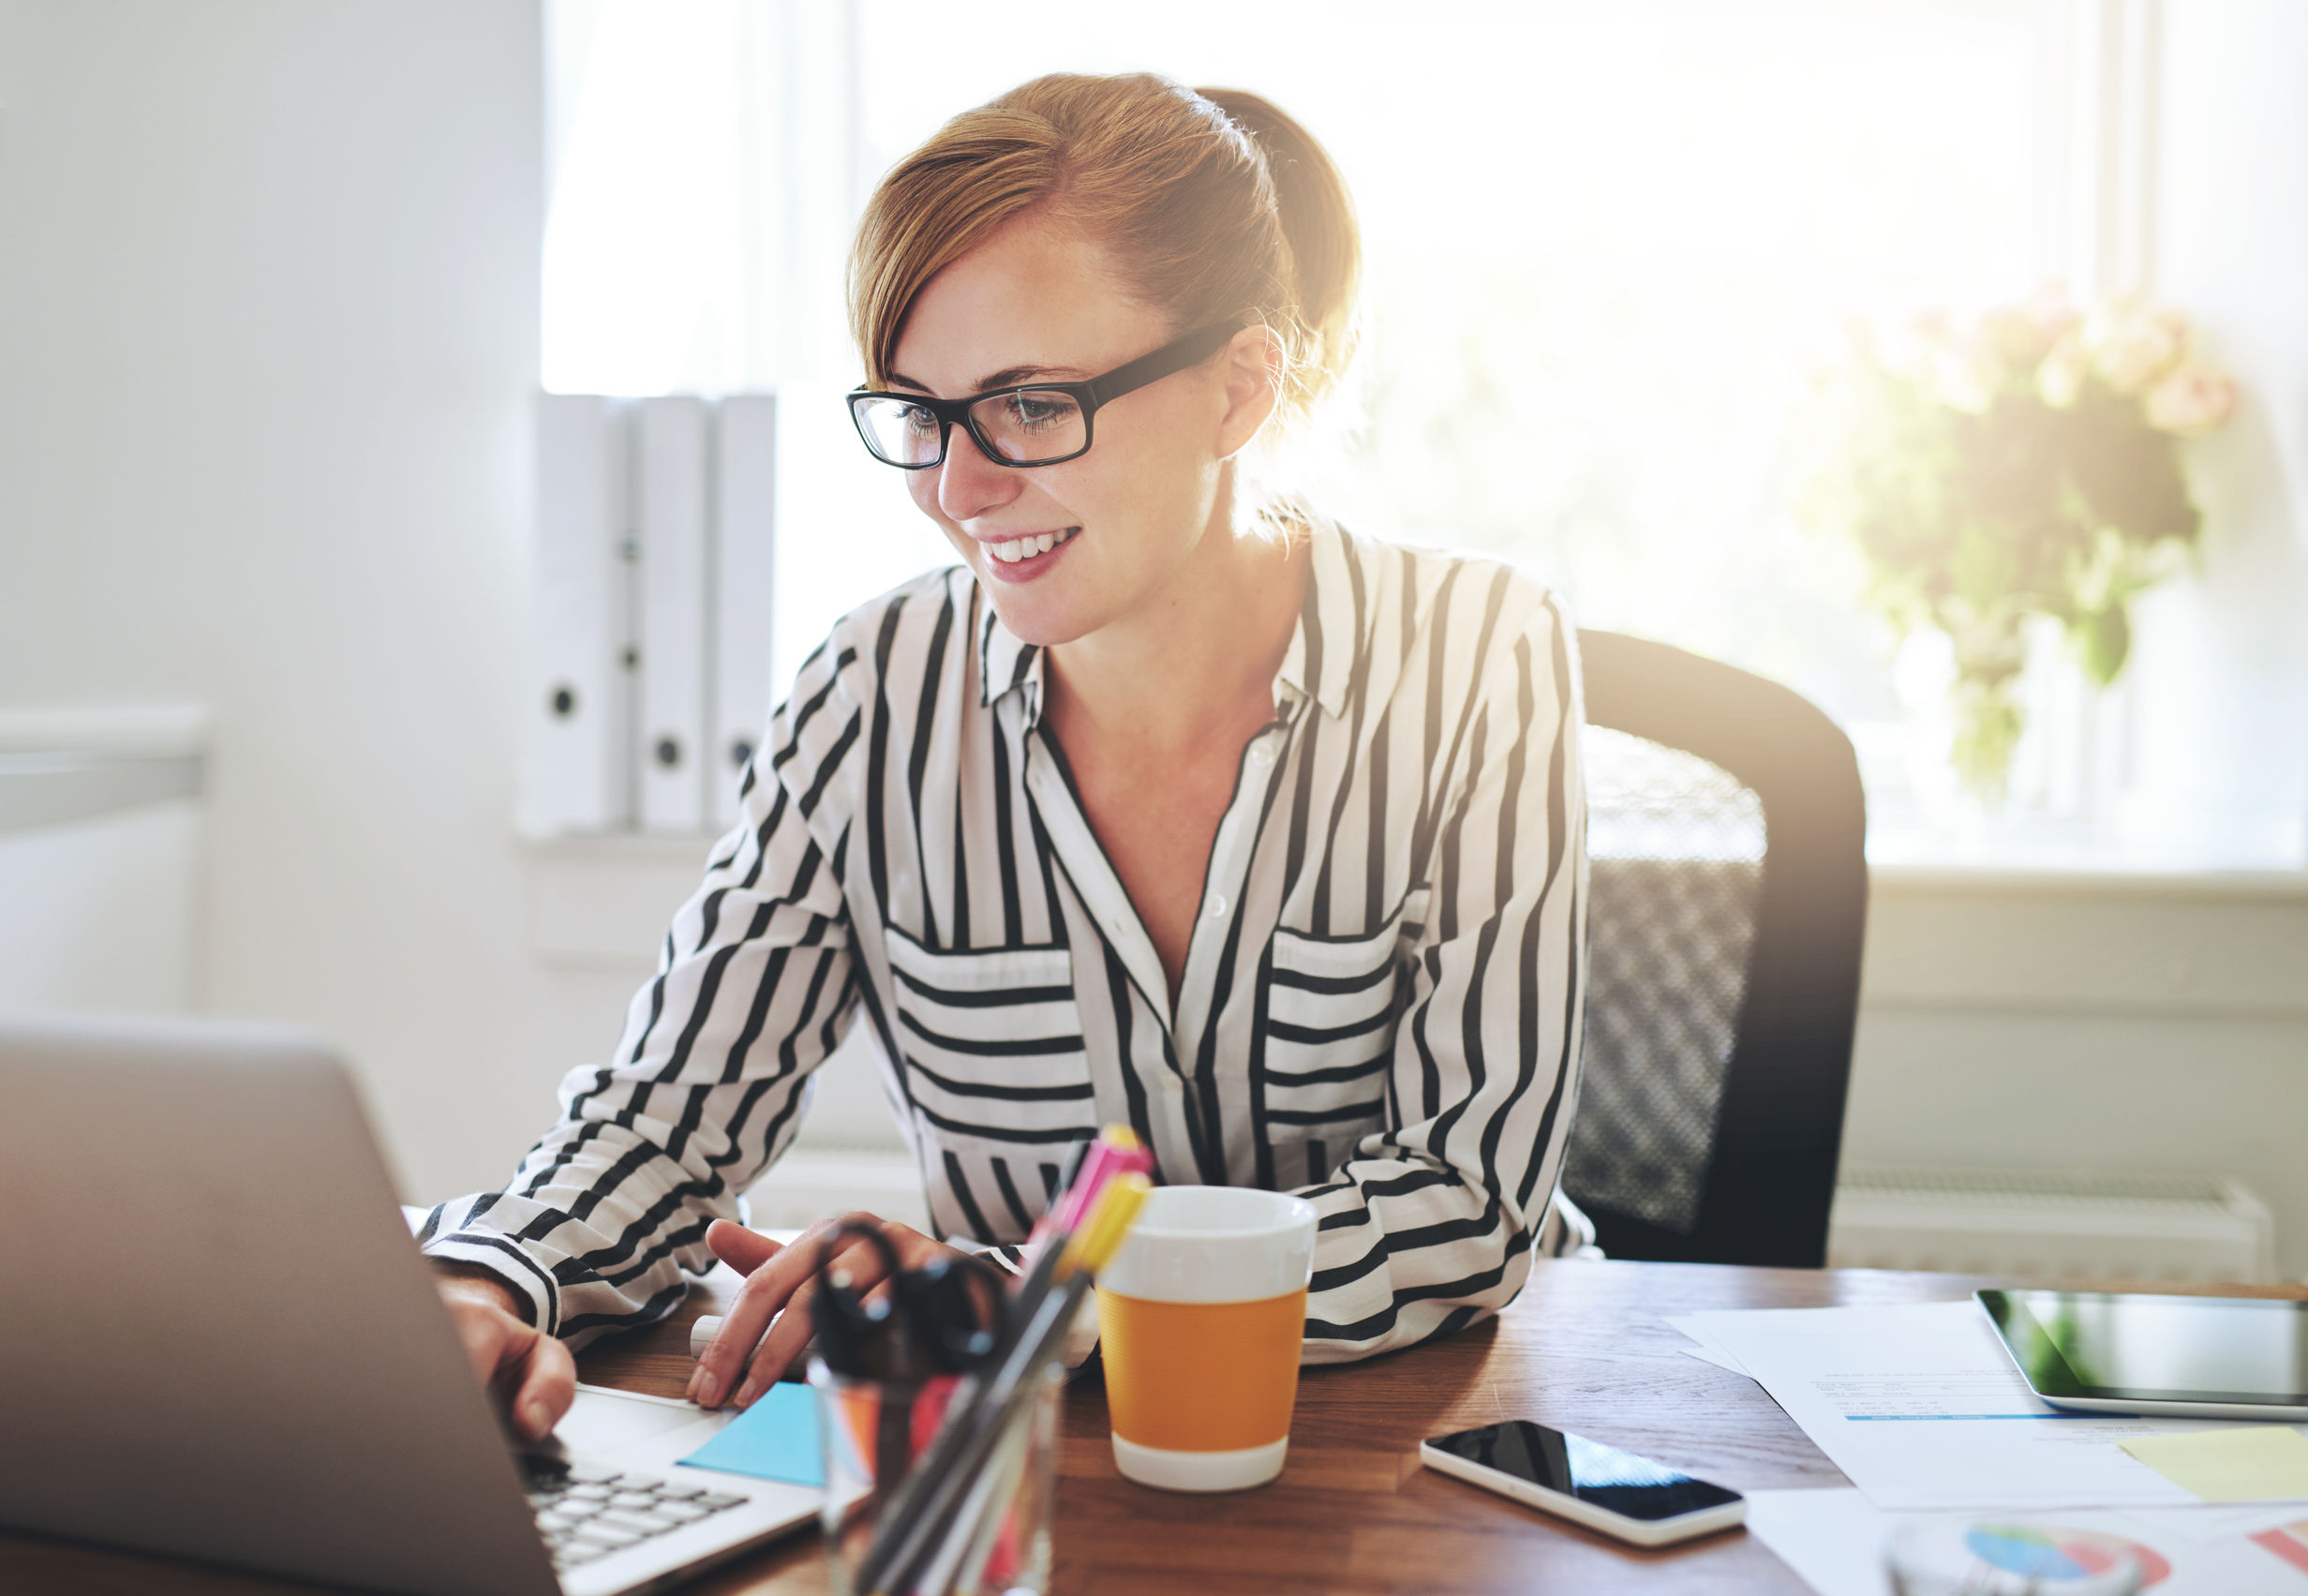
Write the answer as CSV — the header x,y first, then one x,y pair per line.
x,y
969,484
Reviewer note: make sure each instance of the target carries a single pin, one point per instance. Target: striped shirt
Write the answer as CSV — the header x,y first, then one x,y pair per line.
x,y
1380,1007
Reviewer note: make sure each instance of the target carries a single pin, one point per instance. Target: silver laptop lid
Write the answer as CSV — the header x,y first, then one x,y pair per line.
x,y
220,1344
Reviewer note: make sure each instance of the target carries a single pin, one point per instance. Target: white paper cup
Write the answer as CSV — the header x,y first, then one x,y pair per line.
x,y
1200,1316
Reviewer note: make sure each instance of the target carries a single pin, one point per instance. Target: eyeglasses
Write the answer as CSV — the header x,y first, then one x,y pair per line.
x,y
1039,424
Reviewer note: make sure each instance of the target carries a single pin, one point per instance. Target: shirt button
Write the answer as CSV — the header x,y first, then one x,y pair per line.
x,y
1262,754
1217,907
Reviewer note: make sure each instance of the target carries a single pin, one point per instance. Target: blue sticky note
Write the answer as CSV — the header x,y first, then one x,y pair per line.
x,y
776,1438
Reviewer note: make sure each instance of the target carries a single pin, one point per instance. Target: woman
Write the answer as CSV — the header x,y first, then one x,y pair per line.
x,y
1173,805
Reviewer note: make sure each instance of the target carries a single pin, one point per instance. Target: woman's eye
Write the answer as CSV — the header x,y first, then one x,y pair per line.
x,y
1034,410
918,420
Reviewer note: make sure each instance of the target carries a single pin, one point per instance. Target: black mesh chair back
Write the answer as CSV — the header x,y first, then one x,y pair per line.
x,y
1726,830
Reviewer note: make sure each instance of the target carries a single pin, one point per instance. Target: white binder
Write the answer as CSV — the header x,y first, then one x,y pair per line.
x,y
578,739
674,458
744,573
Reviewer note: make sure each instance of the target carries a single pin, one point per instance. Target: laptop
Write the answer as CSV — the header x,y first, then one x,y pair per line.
x,y
217,1343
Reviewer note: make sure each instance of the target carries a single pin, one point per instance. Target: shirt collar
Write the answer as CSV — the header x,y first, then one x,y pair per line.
x,y
1330,639
1331,636
1007,665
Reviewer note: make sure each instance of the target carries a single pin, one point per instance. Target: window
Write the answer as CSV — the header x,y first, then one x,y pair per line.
x,y
1605,246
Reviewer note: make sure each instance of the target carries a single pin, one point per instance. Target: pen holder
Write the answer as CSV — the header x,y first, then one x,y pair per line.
x,y
873,1433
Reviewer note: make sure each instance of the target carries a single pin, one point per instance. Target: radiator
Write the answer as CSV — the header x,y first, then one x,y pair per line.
x,y
2046,1225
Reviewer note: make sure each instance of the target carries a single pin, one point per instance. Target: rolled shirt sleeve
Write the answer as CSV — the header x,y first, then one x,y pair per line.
x,y
755,985
1429,1224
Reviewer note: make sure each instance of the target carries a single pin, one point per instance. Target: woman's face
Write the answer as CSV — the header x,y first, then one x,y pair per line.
x,y
1038,301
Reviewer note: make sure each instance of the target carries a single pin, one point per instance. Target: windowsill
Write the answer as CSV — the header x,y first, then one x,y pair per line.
x,y
2214,849
2089,881
1908,859
641,848
2037,856
604,901
2222,943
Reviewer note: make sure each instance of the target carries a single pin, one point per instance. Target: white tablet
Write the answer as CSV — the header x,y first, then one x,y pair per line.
x,y
2140,1352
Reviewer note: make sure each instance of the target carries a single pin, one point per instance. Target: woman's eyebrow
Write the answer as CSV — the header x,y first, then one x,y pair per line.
x,y
1009,377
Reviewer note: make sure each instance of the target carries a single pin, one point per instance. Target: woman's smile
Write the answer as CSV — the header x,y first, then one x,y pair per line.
x,y
1023,557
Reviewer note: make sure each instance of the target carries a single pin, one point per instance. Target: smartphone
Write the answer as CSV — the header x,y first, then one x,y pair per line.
x,y
1631,1498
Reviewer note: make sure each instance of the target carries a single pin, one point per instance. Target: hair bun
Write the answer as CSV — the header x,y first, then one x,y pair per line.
x,y
1318,219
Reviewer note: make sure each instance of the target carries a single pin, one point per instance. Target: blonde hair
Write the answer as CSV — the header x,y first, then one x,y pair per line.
x,y
1213,200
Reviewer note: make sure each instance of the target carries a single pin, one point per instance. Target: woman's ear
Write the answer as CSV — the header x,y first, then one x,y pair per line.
x,y
1255,361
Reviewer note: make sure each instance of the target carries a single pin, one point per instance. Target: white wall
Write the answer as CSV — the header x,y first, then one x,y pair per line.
x,y
2150,1025
268,313
2222,684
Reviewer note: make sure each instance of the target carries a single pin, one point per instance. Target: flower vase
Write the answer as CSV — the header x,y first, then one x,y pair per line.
x,y
1984,696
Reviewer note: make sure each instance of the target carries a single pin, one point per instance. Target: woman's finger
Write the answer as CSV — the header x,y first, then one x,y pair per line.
x,y
549,1383
860,1265
526,1373
742,1249
767,1291
764,1294
913,1249
866,1273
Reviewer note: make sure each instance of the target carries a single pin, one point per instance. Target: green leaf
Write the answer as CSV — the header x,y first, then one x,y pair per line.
x,y
2103,640
1988,727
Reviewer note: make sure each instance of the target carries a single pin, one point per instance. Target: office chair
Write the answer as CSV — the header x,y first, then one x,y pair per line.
x,y
1725,826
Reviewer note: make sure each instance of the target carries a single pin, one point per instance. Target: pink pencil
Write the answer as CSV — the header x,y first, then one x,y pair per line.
x,y
1117,1151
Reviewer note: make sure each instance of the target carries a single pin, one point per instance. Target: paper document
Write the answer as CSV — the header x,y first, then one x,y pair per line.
x,y
1703,1352
1720,1360
1921,1408
1835,1540
2261,1463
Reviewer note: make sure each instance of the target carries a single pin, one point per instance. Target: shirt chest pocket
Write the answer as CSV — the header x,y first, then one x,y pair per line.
x,y
1332,1004
992,1043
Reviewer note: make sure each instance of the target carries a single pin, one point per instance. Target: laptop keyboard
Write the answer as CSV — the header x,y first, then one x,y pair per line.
x,y
585,1512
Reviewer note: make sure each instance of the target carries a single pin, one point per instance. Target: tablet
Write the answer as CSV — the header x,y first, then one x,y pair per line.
x,y
2121,1352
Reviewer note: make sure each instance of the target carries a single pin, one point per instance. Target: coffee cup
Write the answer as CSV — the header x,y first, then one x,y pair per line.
x,y
1201,1318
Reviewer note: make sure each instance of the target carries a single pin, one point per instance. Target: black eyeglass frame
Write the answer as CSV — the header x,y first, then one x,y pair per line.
x,y
1099,391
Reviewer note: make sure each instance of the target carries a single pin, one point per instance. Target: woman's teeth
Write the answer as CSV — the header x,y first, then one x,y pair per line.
x,y
1010,553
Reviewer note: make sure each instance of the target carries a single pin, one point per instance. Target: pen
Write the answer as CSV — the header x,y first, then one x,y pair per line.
x,y
963,1551
953,1516
927,1511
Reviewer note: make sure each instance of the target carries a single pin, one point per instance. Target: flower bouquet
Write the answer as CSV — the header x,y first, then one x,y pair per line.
x,y
2023,463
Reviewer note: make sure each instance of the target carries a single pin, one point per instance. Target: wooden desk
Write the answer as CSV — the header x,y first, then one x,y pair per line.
x,y
1583,1349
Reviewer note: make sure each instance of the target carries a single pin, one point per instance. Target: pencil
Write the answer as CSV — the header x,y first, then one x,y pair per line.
x,y
922,1515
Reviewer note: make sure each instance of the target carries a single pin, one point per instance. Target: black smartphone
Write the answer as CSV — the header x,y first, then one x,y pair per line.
x,y
1629,1498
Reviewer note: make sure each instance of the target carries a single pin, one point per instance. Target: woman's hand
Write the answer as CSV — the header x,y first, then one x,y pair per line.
x,y
778,1281
528,1374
